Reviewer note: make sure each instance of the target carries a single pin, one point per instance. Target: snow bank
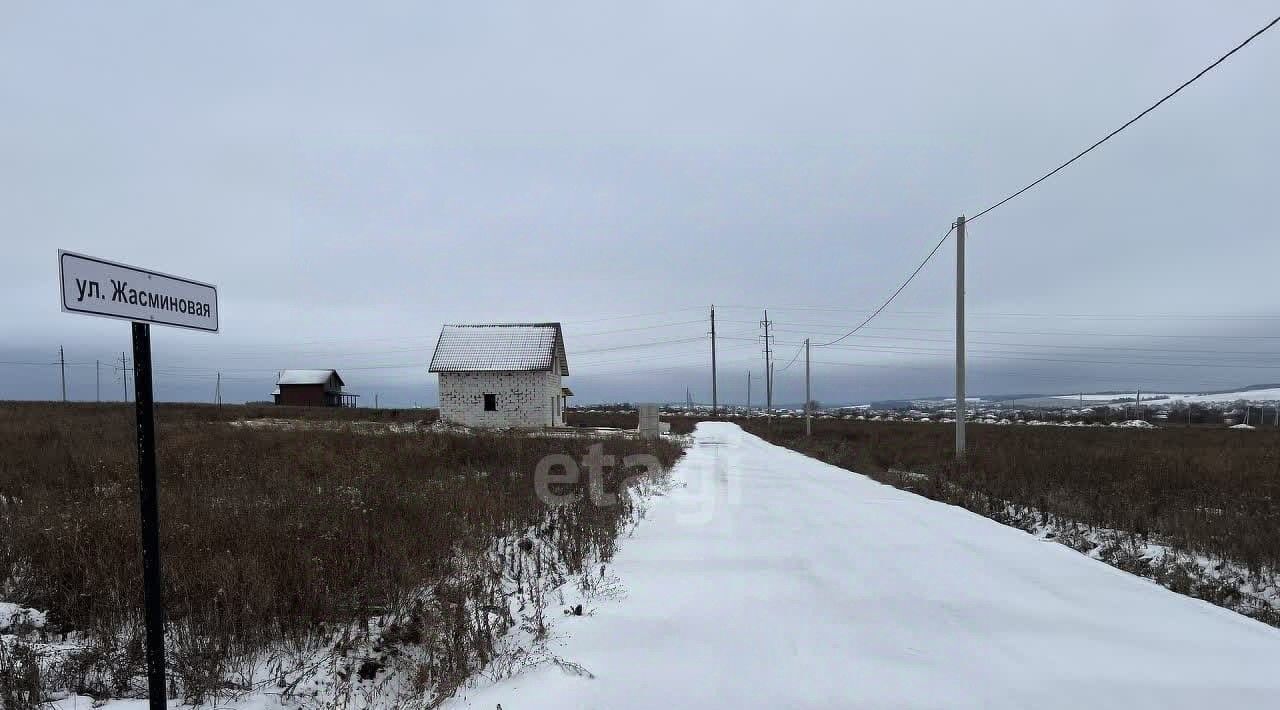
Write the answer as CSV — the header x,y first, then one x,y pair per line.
x,y
15,619
771,580
1134,424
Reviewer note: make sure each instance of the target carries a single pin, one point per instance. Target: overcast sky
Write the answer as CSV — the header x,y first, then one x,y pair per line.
x,y
352,177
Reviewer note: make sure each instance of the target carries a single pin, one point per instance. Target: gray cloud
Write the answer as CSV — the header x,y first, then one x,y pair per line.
x,y
353,179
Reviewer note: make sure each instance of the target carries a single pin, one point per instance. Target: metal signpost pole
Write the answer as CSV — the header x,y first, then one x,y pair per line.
x,y
107,289
152,594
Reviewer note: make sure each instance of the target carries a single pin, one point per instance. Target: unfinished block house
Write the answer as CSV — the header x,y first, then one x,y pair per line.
x,y
502,375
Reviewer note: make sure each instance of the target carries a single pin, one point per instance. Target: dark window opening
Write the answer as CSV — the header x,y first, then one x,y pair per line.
x,y
491,403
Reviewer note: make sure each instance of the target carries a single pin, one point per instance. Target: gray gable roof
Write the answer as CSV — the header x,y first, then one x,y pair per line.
x,y
308,377
488,347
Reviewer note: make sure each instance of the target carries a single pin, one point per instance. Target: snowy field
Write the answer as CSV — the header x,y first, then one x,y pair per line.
x,y
1153,398
773,580
1263,395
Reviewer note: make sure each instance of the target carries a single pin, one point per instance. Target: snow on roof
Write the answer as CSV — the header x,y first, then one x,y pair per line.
x,y
307,377
499,346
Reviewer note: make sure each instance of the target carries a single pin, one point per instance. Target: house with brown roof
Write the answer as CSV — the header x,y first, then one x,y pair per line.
x,y
312,388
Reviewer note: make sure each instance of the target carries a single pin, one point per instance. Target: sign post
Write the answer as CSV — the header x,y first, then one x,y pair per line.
x,y
103,288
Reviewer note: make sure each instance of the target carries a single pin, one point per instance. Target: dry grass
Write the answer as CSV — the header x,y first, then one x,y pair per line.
x,y
278,540
680,424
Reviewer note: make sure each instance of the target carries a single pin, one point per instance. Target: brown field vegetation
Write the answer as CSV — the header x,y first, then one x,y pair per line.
x,y
680,424
278,541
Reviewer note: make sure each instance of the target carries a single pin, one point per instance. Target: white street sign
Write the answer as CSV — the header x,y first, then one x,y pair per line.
x,y
104,288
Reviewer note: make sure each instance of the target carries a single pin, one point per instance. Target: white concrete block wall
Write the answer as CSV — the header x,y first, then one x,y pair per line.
x,y
524,399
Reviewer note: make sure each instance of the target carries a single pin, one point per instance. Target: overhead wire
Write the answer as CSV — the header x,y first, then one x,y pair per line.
x,y
1128,123
899,290
1044,177
793,360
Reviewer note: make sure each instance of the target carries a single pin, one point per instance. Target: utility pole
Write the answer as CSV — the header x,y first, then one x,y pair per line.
x,y
375,400
62,360
217,391
715,400
960,396
97,380
808,413
748,392
768,369
124,376
771,395
1137,403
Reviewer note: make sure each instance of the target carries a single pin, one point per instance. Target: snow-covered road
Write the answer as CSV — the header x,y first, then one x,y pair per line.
x,y
773,580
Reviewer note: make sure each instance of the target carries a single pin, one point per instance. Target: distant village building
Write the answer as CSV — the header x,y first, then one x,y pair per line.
x,y
499,376
312,388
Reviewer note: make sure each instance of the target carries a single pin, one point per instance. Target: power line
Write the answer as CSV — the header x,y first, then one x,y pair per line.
x,y
665,357
1040,333
885,305
1056,316
999,355
1046,176
1130,122
1064,346
635,328
910,350
637,315
793,358
633,346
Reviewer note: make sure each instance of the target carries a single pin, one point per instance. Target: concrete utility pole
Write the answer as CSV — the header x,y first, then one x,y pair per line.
x,y
715,399
217,391
62,360
768,369
960,396
808,413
